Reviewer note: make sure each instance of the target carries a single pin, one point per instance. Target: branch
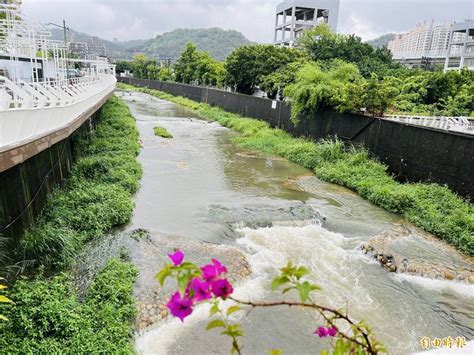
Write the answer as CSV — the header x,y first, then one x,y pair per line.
x,y
321,310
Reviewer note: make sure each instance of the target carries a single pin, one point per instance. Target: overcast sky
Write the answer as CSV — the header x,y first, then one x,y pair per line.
x,y
137,19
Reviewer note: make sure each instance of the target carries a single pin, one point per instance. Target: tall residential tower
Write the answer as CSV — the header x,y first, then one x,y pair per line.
x,y
295,16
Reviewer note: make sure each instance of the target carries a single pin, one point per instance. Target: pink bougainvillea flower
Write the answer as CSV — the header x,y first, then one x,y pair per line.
x,y
177,257
201,290
222,288
180,307
321,332
325,332
212,271
332,331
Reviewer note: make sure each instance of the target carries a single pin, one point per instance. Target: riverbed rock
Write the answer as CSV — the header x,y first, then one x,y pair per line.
x,y
404,248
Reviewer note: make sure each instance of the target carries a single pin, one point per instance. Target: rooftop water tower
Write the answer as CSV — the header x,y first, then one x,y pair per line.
x,y
295,16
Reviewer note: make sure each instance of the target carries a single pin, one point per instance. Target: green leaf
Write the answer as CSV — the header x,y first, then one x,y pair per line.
x,y
162,275
188,266
214,309
216,323
4,299
232,309
279,281
287,289
2,287
183,279
2,317
304,289
300,272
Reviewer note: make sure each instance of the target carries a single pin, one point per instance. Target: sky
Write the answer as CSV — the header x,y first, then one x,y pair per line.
x,y
143,19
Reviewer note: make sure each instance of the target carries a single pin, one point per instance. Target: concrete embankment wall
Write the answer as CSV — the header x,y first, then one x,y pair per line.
x,y
24,188
412,153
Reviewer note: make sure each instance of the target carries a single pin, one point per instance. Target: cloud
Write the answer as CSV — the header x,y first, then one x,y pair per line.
x,y
133,19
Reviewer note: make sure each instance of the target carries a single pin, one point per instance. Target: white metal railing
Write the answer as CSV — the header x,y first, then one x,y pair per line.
x,y
23,95
454,124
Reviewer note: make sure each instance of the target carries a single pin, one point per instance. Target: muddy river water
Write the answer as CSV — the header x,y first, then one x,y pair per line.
x,y
202,193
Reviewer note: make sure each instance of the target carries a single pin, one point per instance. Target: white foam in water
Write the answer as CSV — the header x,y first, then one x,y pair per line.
x,y
340,271
313,246
462,289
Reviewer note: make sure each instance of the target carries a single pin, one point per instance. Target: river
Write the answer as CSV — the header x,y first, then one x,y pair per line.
x,y
200,188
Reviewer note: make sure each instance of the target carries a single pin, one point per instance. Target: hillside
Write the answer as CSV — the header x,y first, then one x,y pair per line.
x,y
218,42
381,41
115,50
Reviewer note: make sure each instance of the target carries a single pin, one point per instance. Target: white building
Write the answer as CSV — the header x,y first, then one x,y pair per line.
x,y
425,40
460,53
295,16
79,49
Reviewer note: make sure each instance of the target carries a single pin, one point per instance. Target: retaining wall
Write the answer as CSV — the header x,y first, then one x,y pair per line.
x,y
411,152
24,188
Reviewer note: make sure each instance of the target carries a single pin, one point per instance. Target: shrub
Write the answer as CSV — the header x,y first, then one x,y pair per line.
x,y
47,316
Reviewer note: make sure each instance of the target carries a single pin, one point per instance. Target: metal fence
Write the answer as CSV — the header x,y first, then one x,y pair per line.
x,y
453,124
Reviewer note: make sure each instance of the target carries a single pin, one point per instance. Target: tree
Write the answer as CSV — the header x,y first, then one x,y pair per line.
x,y
186,64
321,44
339,88
139,65
152,71
379,95
247,66
275,83
196,67
122,66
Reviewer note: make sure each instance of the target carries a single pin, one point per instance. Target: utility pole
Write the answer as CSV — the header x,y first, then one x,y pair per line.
x,y
65,43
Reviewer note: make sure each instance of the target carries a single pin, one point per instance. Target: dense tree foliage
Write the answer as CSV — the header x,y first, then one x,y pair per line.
x,y
316,89
247,66
146,68
321,45
196,67
121,66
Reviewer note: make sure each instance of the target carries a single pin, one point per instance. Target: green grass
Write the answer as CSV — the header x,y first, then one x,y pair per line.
x,y
162,132
97,195
431,207
47,316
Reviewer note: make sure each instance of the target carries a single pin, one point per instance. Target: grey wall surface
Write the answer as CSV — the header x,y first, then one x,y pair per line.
x,y
412,153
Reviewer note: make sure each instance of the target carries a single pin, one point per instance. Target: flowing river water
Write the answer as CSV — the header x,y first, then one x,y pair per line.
x,y
202,193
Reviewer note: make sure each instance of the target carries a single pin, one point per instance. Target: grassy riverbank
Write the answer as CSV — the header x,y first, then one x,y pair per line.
x,y
431,207
97,195
46,315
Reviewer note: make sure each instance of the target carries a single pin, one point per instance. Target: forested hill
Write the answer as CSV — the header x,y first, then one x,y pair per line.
x,y
381,41
115,50
218,42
